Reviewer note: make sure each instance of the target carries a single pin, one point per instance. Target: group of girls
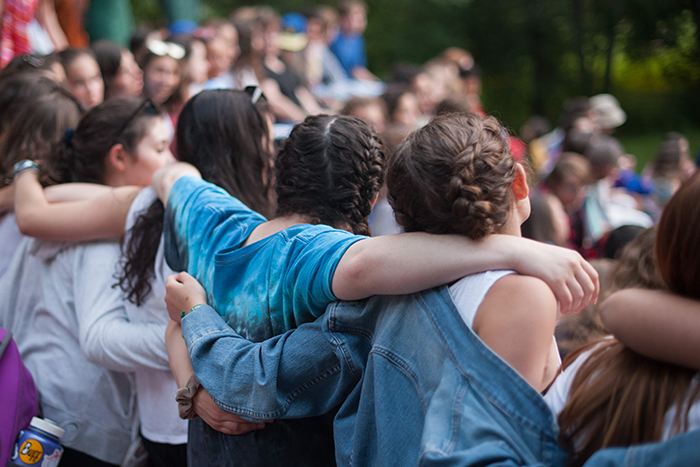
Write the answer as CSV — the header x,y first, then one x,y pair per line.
x,y
457,191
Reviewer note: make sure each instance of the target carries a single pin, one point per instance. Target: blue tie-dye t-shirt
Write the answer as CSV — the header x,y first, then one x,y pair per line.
x,y
262,289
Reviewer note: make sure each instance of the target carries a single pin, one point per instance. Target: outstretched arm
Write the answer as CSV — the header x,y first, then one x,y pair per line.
x,y
410,262
657,324
165,178
103,216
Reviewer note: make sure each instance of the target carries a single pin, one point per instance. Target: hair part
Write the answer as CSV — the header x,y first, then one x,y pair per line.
x,y
330,170
454,175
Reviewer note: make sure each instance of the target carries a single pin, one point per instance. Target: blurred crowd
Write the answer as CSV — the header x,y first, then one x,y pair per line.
x,y
586,192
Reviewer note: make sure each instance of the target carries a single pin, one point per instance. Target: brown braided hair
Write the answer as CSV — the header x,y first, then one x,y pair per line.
x,y
454,175
330,169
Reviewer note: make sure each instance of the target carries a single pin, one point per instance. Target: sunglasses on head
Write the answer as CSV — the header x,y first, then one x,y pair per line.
x,y
255,93
146,106
162,49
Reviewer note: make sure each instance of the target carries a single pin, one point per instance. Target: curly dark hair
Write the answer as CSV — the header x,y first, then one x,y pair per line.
x,y
330,169
454,175
226,136
81,158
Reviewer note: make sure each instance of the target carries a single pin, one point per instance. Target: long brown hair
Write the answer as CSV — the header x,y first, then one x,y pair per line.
x,y
618,397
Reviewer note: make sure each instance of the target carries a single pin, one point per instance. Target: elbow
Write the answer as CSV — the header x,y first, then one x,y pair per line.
x,y
28,223
350,281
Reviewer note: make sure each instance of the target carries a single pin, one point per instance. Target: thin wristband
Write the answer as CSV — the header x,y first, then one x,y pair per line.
x,y
185,313
21,166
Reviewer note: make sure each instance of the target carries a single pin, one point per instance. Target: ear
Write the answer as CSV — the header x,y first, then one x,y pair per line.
x,y
374,201
117,157
521,190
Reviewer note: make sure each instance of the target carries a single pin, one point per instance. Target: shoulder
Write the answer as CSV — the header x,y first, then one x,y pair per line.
x,y
517,295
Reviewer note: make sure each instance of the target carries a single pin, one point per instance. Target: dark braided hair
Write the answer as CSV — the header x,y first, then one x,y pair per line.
x,y
226,137
454,175
330,169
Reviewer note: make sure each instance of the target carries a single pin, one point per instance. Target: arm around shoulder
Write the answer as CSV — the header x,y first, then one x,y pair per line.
x,y
165,178
657,324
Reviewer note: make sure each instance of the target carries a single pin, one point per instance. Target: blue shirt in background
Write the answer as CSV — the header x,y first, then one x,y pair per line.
x,y
262,289
350,50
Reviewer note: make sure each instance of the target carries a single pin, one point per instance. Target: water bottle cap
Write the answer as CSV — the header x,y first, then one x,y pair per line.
x,y
47,426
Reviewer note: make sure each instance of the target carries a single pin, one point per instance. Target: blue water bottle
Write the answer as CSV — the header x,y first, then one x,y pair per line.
x,y
38,444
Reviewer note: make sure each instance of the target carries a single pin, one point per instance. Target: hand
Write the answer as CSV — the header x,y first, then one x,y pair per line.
x,y
182,293
219,420
572,279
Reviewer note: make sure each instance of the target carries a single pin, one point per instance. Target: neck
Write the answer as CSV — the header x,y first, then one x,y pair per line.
x,y
276,225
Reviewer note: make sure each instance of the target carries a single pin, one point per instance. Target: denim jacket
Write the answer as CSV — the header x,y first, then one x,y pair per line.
x,y
417,387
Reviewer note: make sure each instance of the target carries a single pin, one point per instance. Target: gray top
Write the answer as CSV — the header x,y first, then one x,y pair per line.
x,y
68,319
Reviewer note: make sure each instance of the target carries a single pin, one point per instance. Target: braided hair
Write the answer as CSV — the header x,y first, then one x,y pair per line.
x,y
330,170
454,175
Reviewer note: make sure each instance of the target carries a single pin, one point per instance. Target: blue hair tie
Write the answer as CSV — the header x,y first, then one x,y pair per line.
x,y
68,137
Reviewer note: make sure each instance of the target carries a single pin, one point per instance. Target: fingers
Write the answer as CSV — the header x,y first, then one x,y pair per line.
x,y
563,293
236,428
593,275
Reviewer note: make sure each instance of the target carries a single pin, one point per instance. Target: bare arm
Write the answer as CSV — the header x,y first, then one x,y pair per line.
x,y
281,105
308,101
75,192
46,15
205,407
101,217
165,178
516,320
657,324
407,263
363,73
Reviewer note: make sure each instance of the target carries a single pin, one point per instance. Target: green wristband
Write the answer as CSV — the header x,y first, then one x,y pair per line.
x,y
185,313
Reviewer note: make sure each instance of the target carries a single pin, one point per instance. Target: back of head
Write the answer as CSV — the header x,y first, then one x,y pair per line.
x,y
635,261
29,63
454,175
667,162
36,127
454,103
677,248
569,164
226,137
109,58
393,95
604,152
330,170
572,109
80,155
18,90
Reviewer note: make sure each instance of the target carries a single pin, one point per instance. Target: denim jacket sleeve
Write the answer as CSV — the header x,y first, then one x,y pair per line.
x,y
297,374
682,450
